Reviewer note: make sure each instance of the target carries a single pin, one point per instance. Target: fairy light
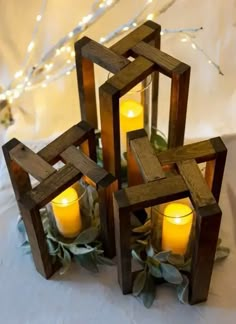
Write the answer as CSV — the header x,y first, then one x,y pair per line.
x,y
49,66
150,16
63,48
58,51
102,40
209,61
68,49
109,2
184,39
70,34
161,32
68,61
126,28
68,72
72,54
86,19
48,77
38,17
30,47
18,74
194,46
44,85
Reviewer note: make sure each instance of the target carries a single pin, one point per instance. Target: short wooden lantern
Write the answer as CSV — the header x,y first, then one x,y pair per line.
x,y
143,45
150,187
22,162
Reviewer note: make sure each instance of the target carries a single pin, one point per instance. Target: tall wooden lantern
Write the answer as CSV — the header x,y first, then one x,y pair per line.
x,y
23,163
152,187
131,61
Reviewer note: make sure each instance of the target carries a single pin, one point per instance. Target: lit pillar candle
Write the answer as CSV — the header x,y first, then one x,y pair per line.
x,y
131,118
67,213
177,223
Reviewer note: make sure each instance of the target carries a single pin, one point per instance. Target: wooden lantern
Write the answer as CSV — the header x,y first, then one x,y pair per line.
x,y
151,187
22,162
143,45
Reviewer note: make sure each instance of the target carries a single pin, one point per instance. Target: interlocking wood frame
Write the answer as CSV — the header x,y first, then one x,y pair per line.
x,y
143,44
22,162
151,187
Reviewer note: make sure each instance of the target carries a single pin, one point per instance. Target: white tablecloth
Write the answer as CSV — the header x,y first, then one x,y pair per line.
x,y
84,298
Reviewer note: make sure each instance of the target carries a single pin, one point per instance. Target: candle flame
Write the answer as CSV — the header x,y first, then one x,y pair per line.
x,y
130,113
64,201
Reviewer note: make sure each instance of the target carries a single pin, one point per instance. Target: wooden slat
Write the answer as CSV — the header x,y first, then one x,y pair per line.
x,y
31,162
73,136
86,84
201,152
199,190
146,32
123,251
131,75
166,64
149,164
204,247
152,193
104,57
88,167
19,177
51,187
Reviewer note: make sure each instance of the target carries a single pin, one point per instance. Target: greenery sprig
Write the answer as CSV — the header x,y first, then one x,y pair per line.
x,y
85,249
161,266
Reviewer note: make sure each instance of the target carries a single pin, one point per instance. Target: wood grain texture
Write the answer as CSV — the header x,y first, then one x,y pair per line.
x,y
145,32
75,135
86,84
145,156
104,57
199,190
178,105
123,251
206,236
201,151
152,193
166,64
51,187
19,177
31,162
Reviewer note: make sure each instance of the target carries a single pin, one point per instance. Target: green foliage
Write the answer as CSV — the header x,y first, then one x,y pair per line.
x,y
85,249
158,140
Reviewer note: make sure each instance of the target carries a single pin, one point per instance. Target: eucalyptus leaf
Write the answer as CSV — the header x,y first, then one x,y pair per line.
x,y
222,252
158,142
26,247
149,250
139,282
79,250
171,274
148,293
103,260
176,259
186,266
21,226
65,260
87,236
53,249
155,271
162,256
137,257
144,228
87,261
182,290
143,242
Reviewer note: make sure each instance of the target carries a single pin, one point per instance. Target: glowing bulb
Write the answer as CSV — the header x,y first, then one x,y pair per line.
x,y
71,34
101,5
64,201
130,113
26,79
63,49
102,39
48,66
58,51
68,73
72,54
39,17
18,74
126,28
30,46
68,61
109,2
134,24
68,49
161,33
184,39
149,1
150,16
87,18
194,46
209,61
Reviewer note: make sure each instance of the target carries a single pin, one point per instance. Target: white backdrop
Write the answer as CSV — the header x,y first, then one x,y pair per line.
x,y
211,108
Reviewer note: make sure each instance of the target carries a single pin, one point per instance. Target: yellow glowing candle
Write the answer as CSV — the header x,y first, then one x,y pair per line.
x,y
131,118
177,223
67,213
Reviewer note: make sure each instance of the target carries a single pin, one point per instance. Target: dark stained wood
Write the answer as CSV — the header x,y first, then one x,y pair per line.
x,y
221,153
145,32
110,129
86,84
104,57
202,151
166,64
199,191
75,135
42,259
178,105
51,187
19,177
152,193
31,162
123,251
146,157
206,236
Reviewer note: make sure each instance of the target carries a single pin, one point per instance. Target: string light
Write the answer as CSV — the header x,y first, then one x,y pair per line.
x,y
194,46
38,18
30,47
150,16
71,34
18,74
